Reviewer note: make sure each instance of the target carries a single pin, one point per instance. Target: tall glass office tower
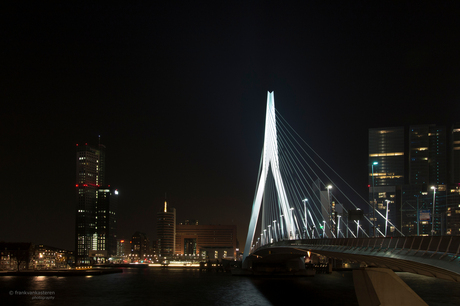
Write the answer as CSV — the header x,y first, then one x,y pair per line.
x,y
410,176
95,226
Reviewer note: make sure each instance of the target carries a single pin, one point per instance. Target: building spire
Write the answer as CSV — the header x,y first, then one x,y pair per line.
x,y
166,204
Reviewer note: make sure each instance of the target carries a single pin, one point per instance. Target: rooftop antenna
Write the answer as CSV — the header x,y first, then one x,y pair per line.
x,y
166,205
99,136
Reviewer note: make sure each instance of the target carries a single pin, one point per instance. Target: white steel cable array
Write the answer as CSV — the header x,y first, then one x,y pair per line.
x,y
292,191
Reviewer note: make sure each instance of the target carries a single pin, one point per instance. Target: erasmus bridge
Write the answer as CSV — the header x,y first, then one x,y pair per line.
x,y
303,208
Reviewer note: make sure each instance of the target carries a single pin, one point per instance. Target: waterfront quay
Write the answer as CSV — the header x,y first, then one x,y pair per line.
x,y
68,272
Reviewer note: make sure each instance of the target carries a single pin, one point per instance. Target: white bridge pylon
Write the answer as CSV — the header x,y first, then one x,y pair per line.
x,y
270,159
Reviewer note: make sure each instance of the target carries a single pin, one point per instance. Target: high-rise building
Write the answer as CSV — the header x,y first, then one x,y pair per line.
x,y
166,231
140,246
453,198
455,156
386,147
106,220
412,177
386,170
428,155
95,227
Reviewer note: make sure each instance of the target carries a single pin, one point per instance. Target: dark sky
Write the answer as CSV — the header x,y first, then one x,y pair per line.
x,y
177,92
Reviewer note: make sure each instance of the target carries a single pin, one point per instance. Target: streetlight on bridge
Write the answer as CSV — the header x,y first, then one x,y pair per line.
x,y
386,217
282,230
305,211
373,199
270,239
338,227
329,203
432,214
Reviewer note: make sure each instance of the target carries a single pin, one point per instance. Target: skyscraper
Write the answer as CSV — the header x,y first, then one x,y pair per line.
x,y
455,140
166,231
386,147
413,177
386,170
95,227
453,199
106,220
428,155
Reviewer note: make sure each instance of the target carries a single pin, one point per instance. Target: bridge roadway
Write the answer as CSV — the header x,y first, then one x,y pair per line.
x,y
436,256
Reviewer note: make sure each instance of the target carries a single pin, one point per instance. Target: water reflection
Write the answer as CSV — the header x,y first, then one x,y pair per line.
x,y
156,286
432,290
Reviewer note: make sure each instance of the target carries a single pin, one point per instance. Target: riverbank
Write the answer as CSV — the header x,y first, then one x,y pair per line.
x,y
61,272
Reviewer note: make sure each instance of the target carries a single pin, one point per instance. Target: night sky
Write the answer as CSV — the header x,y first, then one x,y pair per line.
x,y
178,92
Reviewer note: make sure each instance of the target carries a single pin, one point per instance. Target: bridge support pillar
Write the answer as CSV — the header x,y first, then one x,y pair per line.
x,y
380,286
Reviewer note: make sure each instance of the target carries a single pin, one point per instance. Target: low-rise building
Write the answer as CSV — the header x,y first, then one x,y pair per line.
x,y
206,241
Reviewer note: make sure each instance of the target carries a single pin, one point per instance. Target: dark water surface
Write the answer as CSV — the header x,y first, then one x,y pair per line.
x,y
174,286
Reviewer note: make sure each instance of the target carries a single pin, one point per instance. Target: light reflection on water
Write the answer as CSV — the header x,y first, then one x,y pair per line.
x,y
432,290
156,286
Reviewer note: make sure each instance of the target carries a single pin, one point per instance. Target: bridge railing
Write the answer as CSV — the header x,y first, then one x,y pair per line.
x,y
408,245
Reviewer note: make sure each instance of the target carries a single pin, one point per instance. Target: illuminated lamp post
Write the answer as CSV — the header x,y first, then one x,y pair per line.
x,y
306,220
282,230
292,234
329,187
357,229
386,217
324,227
338,227
373,199
270,239
432,214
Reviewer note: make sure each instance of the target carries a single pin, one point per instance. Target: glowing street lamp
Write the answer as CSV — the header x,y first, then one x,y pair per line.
x,y
329,203
373,199
292,234
338,227
386,217
432,214
270,239
357,228
282,229
305,211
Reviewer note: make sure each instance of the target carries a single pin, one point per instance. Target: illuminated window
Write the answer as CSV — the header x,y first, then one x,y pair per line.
x,y
386,154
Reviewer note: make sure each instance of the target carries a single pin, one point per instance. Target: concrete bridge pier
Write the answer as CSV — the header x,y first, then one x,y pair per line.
x,y
381,286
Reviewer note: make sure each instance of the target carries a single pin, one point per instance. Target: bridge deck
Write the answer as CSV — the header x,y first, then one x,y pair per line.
x,y
436,256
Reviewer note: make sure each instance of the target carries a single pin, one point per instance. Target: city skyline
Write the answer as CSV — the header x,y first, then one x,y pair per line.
x,y
177,95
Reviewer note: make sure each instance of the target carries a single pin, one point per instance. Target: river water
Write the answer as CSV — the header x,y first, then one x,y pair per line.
x,y
177,286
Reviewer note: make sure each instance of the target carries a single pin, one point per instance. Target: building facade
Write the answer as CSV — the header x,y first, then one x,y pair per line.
x,y
206,241
106,220
166,231
412,174
16,256
95,227
386,170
